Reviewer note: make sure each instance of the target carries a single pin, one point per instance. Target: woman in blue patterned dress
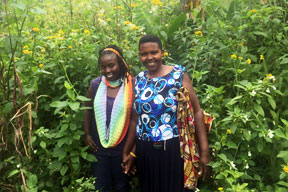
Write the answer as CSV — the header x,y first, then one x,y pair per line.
x,y
154,124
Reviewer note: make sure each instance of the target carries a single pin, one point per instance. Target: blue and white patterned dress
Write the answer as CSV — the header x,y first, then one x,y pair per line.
x,y
156,105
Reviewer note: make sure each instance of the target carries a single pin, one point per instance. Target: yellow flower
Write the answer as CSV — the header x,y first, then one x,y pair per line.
x,y
35,29
74,30
16,58
240,43
156,2
70,47
269,75
165,53
198,33
240,58
25,47
229,131
86,31
118,7
60,31
100,14
220,188
249,61
127,23
285,168
253,11
108,19
134,27
261,57
41,65
233,56
132,5
26,51
27,33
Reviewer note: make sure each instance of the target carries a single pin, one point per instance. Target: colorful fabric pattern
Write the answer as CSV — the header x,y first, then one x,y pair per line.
x,y
156,104
120,116
187,137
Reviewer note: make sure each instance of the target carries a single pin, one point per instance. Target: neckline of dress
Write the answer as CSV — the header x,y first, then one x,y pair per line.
x,y
146,72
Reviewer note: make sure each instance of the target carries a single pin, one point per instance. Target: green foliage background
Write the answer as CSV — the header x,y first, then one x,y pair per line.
x,y
236,55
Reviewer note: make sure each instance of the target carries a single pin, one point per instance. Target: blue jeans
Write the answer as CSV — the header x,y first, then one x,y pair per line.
x,y
109,174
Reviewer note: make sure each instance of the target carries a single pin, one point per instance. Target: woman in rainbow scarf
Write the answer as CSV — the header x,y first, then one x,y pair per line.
x,y
106,124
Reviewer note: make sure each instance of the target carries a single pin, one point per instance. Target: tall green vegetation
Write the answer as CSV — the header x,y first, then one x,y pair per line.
x,y
235,53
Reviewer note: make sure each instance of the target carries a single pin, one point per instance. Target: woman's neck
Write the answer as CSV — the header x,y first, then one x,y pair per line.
x,y
162,71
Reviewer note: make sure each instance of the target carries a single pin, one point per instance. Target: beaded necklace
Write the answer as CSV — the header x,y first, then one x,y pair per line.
x,y
113,84
112,135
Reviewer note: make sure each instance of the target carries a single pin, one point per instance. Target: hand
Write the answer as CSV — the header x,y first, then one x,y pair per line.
x,y
127,164
89,142
204,169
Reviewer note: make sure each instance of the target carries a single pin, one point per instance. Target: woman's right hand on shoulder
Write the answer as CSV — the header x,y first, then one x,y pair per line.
x,y
89,142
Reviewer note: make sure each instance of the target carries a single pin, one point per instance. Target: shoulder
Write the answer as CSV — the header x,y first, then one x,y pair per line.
x,y
180,68
95,83
97,80
140,75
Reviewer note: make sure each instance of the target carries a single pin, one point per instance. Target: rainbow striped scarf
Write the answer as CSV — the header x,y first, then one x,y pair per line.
x,y
120,116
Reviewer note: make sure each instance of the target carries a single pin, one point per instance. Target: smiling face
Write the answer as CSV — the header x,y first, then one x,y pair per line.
x,y
110,67
151,56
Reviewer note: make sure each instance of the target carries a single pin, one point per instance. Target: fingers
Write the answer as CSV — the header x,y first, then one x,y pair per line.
x,y
91,144
203,171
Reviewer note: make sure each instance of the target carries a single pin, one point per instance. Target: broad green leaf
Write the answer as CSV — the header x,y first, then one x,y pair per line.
x,y
285,184
164,35
285,122
8,107
223,157
175,24
84,155
67,85
284,61
18,6
32,181
38,10
71,94
59,104
260,33
259,109
74,106
234,100
280,133
73,126
220,176
231,145
43,144
63,170
91,158
13,172
44,71
283,155
232,9
275,116
82,98
272,102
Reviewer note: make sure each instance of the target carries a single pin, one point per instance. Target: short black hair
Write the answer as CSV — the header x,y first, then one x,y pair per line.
x,y
150,39
123,68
